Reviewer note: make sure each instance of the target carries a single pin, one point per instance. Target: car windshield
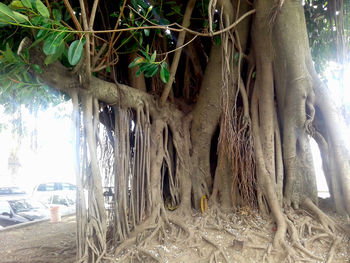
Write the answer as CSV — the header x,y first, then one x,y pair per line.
x,y
11,190
23,205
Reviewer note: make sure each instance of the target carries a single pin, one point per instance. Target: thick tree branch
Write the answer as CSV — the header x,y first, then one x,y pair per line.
x,y
61,78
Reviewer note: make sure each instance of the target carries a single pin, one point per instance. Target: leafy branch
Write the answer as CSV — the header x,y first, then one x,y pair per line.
x,y
150,66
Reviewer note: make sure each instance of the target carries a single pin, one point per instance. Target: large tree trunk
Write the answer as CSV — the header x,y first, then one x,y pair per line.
x,y
206,116
294,91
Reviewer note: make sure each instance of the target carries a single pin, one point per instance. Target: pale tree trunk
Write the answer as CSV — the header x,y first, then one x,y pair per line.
x,y
206,116
294,91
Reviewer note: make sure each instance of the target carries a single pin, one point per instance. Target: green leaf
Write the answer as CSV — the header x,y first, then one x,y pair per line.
x,y
52,58
134,4
57,15
6,14
164,21
37,68
75,51
217,40
37,41
42,9
124,41
164,72
37,20
205,23
146,31
136,61
151,70
138,73
154,55
22,19
146,54
143,68
8,54
143,4
25,54
27,3
16,4
42,32
52,42
9,16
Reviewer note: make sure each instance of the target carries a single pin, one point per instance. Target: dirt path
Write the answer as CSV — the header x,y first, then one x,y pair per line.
x,y
43,242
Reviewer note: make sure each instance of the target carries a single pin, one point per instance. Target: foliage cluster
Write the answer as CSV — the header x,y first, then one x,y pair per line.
x,y
328,31
52,29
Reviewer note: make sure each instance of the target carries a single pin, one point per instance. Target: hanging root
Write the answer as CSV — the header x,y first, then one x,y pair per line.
x,y
149,254
332,250
325,220
303,232
217,237
178,223
296,241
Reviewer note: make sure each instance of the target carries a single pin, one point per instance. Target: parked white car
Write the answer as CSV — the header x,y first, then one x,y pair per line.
x,y
43,188
57,194
63,201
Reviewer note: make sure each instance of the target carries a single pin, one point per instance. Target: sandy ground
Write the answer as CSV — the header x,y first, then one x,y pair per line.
x,y
42,242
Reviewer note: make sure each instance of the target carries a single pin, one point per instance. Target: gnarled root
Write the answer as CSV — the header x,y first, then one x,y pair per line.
x,y
325,221
302,233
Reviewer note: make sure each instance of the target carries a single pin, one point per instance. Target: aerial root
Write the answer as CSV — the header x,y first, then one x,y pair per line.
x,y
296,242
146,232
311,240
325,221
332,250
176,222
138,233
214,256
150,236
299,227
267,253
149,254
209,242
125,244
218,248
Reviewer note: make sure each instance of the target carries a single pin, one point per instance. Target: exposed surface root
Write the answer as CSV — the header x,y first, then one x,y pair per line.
x,y
235,237
326,221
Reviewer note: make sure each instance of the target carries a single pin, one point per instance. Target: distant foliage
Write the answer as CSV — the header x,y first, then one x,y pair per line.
x,y
328,31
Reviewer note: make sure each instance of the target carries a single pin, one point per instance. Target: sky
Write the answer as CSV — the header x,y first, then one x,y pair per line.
x,y
53,159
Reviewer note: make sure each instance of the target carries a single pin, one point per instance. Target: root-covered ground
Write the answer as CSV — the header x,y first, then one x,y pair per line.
x,y
243,236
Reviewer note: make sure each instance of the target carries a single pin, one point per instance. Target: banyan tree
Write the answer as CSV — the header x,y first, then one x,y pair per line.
x,y
183,106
